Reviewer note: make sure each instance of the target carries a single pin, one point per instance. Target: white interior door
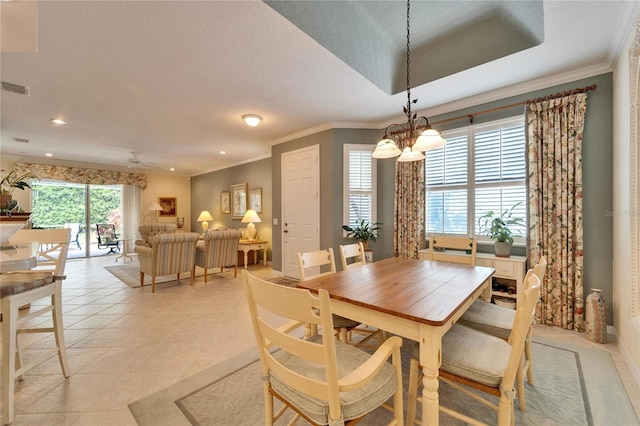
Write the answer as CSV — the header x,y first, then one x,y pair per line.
x,y
300,206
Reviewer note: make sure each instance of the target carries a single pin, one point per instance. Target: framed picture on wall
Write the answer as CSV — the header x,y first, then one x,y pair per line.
x,y
169,206
255,199
225,204
238,200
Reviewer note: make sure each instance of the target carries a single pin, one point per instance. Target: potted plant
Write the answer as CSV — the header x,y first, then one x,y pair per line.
x,y
498,228
9,183
363,232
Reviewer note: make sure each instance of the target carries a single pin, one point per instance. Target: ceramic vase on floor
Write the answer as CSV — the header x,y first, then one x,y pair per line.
x,y
596,317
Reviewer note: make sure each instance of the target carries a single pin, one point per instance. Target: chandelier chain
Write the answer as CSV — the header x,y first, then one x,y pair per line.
x,y
408,61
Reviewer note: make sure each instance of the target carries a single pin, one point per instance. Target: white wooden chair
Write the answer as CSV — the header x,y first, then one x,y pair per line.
x,y
321,379
310,265
446,242
497,321
52,257
481,361
352,256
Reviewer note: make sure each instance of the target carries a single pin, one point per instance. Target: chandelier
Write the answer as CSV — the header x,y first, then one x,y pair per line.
x,y
420,136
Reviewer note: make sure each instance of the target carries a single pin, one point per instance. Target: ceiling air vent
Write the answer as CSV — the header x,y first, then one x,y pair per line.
x,y
15,88
21,140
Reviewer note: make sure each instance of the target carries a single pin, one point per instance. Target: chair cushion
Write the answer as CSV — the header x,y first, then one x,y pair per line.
x,y
355,403
489,318
472,354
342,322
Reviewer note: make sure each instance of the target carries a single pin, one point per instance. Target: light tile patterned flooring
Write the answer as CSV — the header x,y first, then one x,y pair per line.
x,y
126,343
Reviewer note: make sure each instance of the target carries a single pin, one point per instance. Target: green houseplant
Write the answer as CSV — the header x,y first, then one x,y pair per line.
x,y
9,183
498,228
363,232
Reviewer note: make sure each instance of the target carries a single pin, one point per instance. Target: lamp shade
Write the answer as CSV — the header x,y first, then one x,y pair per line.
x,y
155,207
410,155
204,216
428,140
386,148
251,216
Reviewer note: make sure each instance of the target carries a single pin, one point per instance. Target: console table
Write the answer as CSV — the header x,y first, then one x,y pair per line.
x,y
246,246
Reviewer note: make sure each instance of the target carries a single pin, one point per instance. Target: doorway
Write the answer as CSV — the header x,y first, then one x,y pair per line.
x,y
300,206
58,204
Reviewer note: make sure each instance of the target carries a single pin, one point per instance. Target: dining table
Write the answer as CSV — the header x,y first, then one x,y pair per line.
x,y
415,299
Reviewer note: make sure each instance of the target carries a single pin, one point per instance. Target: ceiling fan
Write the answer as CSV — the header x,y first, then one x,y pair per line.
x,y
135,163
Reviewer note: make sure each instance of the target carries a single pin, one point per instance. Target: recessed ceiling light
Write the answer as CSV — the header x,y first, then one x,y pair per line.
x,y
172,169
223,152
58,121
252,119
48,154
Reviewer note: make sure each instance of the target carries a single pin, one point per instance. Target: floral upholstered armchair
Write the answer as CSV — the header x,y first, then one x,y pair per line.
x,y
168,254
219,249
150,230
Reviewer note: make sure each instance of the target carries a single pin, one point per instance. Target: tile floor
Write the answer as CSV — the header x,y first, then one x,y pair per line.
x,y
126,343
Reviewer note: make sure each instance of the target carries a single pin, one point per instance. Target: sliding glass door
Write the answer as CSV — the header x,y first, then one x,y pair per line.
x,y
80,207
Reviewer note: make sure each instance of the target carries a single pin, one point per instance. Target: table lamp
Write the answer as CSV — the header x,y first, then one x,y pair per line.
x,y
249,217
204,217
155,208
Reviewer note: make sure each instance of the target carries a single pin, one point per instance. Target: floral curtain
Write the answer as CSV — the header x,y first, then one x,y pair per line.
x,y
82,175
409,214
554,150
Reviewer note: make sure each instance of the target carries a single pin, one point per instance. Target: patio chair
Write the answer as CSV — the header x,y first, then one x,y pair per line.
x,y
107,237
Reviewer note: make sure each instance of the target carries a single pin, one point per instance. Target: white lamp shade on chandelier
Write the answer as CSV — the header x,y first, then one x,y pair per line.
x,y
249,217
204,217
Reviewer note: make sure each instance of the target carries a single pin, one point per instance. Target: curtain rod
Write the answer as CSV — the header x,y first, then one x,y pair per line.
x,y
557,95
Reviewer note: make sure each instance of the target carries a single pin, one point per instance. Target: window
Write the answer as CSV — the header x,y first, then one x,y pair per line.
x,y
359,179
481,168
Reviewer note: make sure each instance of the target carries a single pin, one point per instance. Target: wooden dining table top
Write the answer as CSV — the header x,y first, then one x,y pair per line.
x,y
429,292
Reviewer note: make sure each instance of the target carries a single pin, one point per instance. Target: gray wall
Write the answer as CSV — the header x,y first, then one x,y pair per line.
x,y
597,171
206,189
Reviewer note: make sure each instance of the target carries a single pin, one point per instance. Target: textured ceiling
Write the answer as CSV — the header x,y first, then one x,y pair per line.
x,y
171,79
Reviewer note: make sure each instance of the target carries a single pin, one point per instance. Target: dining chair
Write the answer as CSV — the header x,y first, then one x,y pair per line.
x,y
323,380
453,249
352,256
315,264
51,258
498,321
477,360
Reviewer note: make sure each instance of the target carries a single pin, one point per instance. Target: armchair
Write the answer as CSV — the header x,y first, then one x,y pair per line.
x,y
219,248
150,230
168,254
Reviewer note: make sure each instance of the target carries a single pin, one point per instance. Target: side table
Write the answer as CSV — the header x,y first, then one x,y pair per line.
x,y
123,252
246,246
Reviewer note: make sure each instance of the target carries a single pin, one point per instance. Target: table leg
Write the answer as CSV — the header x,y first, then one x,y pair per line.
x,y
486,292
430,349
246,255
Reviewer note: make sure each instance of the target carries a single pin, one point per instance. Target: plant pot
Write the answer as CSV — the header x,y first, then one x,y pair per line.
x,y
5,201
503,249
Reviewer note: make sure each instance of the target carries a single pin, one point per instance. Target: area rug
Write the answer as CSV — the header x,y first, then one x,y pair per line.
x,y
230,393
130,274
